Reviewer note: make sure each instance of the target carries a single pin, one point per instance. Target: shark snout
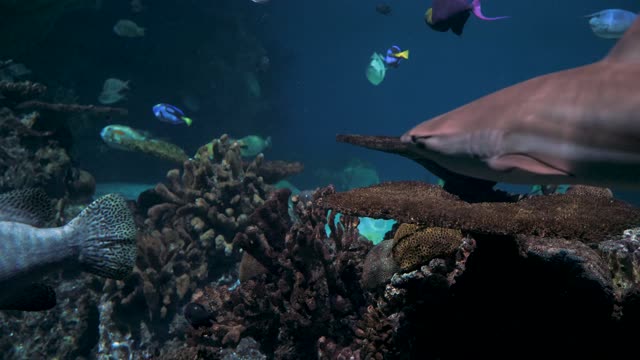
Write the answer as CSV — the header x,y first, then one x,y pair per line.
x,y
407,138
416,140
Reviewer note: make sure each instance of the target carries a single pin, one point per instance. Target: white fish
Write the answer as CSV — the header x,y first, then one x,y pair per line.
x,y
128,28
611,23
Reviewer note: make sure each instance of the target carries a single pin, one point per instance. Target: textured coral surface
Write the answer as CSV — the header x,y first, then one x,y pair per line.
x,y
584,213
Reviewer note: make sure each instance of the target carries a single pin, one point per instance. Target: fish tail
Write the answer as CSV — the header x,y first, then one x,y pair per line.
x,y
187,120
477,11
404,55
428,16
106,234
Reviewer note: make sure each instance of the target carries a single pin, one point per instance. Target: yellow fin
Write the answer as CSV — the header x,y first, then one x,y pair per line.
x,y
403,54
428,16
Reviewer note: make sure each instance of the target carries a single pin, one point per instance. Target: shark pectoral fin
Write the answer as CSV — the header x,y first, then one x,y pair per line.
x,y
32,297
525,163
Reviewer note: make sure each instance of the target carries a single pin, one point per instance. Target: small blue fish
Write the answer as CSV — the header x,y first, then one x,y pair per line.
x,y
170,114
611,23
394,55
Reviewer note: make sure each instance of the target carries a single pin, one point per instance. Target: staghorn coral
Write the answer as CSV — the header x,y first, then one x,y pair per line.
x,y
29,158
72,108
274,171
517,282
21,89
576,215
311,291
188,227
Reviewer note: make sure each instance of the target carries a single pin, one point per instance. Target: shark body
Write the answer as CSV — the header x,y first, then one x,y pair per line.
x,y
577,126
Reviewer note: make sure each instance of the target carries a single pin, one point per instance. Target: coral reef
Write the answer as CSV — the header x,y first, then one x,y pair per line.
x,y
577,215
515,277
21,89
188,227
30,158
445,273
310,291
274,171
68,331
34,147
186,242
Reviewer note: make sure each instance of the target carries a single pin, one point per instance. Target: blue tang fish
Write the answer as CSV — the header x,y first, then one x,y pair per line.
x,y
170,114
611,23
394,55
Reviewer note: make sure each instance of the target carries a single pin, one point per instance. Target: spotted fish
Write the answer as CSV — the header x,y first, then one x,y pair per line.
x,y
100,240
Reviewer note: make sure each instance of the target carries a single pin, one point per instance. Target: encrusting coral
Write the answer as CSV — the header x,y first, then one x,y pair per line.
x,y
417,295
578,215
557,262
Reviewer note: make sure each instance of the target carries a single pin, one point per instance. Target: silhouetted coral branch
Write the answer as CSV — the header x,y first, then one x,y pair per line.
x,y
72,108
22,89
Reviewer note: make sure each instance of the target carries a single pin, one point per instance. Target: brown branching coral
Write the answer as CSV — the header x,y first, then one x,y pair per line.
x,y
30,158
274,171
311,290
188,226
71,108
21,89
576,215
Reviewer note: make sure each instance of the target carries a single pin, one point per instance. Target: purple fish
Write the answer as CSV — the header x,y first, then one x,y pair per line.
x,y
445,15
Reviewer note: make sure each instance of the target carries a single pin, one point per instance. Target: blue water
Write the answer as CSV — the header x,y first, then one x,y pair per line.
x,y
316,86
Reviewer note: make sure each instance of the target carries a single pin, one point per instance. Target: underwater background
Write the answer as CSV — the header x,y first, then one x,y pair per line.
x,y
293,72
314,87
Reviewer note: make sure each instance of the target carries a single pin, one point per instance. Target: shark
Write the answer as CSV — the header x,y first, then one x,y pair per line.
x,y
575,126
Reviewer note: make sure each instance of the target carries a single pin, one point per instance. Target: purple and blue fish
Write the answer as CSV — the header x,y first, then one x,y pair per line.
x,y
445,15
170,114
